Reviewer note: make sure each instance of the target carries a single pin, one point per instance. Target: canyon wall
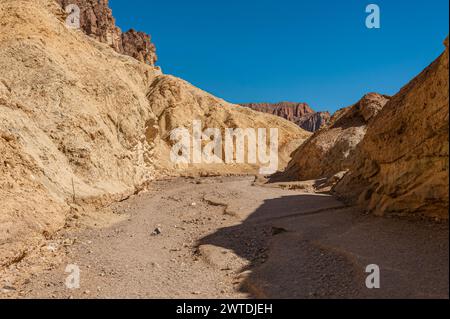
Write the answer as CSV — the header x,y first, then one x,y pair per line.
x,y
82,126
401,166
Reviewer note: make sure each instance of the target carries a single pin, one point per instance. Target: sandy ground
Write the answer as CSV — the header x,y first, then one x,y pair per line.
x,y
224,237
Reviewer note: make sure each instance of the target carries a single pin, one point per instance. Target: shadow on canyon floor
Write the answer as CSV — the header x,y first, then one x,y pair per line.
x,y
301,247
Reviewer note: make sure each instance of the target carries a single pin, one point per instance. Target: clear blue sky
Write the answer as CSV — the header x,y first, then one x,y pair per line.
x,y
316,51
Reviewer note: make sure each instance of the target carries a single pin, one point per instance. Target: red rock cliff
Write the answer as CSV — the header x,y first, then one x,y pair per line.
x,y
97,21
300,113
288,110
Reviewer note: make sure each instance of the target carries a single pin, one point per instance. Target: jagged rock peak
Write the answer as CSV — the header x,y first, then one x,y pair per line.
x,y
96,20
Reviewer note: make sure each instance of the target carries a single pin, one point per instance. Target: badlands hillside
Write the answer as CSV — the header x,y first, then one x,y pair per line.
x,y
83,124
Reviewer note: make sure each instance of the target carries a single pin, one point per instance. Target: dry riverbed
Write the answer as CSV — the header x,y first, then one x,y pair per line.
x,y
224,237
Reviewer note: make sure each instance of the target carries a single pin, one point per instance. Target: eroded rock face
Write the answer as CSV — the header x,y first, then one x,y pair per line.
x,y
139,46
96,20
288,110
313,122
329,150
401,166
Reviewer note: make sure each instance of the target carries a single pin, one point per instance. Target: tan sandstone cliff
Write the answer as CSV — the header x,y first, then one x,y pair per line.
x,y
401,166
83,124
330,150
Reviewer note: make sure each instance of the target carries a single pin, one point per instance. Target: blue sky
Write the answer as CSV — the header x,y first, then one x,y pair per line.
x,y
319,52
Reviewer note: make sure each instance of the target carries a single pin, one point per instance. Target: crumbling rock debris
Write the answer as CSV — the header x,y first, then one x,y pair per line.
x,y
157,231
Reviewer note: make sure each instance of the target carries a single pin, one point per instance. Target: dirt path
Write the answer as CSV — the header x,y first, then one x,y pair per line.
x,y
224,238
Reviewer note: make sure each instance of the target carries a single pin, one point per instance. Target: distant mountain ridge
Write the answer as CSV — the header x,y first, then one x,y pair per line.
x,y
300,113
314,121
